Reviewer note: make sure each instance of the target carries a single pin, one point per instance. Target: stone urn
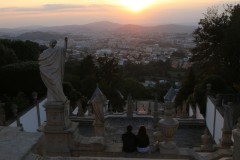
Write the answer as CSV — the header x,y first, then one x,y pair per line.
x,y
168,126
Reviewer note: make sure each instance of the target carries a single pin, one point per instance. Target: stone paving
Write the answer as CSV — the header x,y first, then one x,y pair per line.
x,y
16,144
189,136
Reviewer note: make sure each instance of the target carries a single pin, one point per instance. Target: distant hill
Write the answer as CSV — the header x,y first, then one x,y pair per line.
x,y
96,27
91,27
39,36
174,28
103,26
171,28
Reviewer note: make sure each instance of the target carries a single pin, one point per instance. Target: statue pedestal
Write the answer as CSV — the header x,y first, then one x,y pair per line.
x,y
57,116
58,130
61,136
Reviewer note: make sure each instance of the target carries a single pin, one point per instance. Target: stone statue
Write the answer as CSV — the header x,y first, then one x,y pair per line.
x,y
51,65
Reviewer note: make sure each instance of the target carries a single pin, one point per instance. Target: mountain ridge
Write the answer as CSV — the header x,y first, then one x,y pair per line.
x,y
102,26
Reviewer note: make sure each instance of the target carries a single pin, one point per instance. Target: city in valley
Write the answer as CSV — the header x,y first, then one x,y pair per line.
x,y
127,43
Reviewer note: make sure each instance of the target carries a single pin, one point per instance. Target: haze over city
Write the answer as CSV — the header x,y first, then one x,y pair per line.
x,y
17,13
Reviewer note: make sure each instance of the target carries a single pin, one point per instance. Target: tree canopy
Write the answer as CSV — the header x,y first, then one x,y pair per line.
x,y
217,41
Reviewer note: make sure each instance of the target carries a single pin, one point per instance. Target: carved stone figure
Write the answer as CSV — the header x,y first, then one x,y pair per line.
x,y
51,65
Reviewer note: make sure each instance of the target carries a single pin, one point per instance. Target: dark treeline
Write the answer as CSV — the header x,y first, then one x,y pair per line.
x,y
19,77
19,73
216,57
115,81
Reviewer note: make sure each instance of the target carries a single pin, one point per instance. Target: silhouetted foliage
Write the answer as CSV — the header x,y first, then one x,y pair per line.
x,y
217,44
23,77
7,56
135,88
24,50
141,71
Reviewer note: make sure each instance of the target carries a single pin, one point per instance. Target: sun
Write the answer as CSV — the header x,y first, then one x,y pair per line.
x,y
136,5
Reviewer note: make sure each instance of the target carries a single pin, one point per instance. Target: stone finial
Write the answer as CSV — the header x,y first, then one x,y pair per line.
x,y
97,96
155,113
98,100
80,112
129,106
149,111
111,109
205,140
184,110
228,116
209,88
218,100
35,96
179,111
226,140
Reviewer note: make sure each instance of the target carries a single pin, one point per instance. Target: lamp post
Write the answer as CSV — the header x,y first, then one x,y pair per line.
x,y
35,98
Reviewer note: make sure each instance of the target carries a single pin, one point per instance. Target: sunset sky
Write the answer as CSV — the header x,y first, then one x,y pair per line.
x,y
18,13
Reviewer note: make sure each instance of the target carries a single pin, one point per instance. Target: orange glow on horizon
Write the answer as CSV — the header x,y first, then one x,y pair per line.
x,y
55,12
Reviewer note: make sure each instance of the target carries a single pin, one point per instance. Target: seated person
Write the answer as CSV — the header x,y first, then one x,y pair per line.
x,y
142,140
129,140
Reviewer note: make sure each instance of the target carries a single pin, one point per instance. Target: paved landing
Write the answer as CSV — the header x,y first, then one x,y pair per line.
x,y
16,144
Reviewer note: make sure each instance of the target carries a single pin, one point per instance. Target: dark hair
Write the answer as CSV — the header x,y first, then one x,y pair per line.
x,y
142,131
129,128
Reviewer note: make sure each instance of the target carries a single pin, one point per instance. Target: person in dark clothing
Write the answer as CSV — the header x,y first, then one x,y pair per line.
x,y
142,140
129,140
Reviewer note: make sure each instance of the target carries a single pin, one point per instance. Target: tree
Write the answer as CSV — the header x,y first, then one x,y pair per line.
x,y
217,43
7,56
135,88
231,46
82,75
23,77
187,88
24,50
108,71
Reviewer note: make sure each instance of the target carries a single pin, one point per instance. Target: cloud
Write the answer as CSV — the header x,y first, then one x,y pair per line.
x,y
61,8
